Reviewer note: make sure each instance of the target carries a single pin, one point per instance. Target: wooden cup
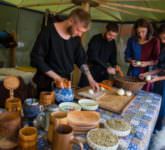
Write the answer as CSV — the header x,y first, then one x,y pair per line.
x,y
13,105
47,98
63,138
56,118
28,138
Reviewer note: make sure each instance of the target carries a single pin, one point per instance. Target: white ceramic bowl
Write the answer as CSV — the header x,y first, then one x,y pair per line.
x,y
100,147
69,106
88,104
118,132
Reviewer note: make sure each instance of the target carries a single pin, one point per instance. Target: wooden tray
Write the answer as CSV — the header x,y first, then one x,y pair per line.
x,y
83,130
115,103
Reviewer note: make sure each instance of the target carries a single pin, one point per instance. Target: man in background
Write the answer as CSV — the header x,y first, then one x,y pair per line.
x,y
102,54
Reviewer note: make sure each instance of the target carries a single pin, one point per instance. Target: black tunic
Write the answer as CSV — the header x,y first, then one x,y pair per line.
x,y
52,52
101,54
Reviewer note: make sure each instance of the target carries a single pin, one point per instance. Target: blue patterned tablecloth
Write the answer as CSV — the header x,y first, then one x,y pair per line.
x,y
142,115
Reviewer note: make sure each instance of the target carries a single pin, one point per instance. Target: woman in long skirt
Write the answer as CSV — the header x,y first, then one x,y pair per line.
x,y
158,78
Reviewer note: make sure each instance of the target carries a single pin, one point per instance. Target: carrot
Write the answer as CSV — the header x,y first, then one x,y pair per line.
x,y
118,69
105,86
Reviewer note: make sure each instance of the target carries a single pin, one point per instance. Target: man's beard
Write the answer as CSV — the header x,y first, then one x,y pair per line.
x,y
105,37
70,31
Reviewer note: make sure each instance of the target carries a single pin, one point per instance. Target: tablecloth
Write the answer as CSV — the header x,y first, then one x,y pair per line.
x,y
141,114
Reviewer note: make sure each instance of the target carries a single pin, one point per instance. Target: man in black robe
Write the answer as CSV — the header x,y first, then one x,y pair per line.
x,y
58,47
102,54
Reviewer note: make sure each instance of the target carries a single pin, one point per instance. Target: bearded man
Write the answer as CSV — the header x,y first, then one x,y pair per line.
x,y
58,47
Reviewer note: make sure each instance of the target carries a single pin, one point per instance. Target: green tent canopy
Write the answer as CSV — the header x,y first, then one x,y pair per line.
x,y
114,10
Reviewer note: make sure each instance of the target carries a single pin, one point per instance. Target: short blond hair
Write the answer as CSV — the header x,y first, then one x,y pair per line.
x,y
81,15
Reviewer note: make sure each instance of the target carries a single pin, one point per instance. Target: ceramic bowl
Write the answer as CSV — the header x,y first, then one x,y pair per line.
x,y
118,132
31,108
88,104
69,106
99,143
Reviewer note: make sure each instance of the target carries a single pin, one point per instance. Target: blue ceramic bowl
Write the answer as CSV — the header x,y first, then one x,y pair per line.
x,y
31,108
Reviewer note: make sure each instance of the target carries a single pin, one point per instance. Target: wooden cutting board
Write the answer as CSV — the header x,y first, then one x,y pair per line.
x,y
84,93
115,103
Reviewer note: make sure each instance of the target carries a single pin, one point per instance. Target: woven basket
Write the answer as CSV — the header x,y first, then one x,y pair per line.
x,y
129,83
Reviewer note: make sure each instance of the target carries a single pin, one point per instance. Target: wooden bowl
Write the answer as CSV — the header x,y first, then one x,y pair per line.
x,y
10,123
83,118
7,144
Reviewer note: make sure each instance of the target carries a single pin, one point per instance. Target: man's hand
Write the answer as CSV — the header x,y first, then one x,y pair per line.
x,y
111,70
54,75
94,85
58,78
